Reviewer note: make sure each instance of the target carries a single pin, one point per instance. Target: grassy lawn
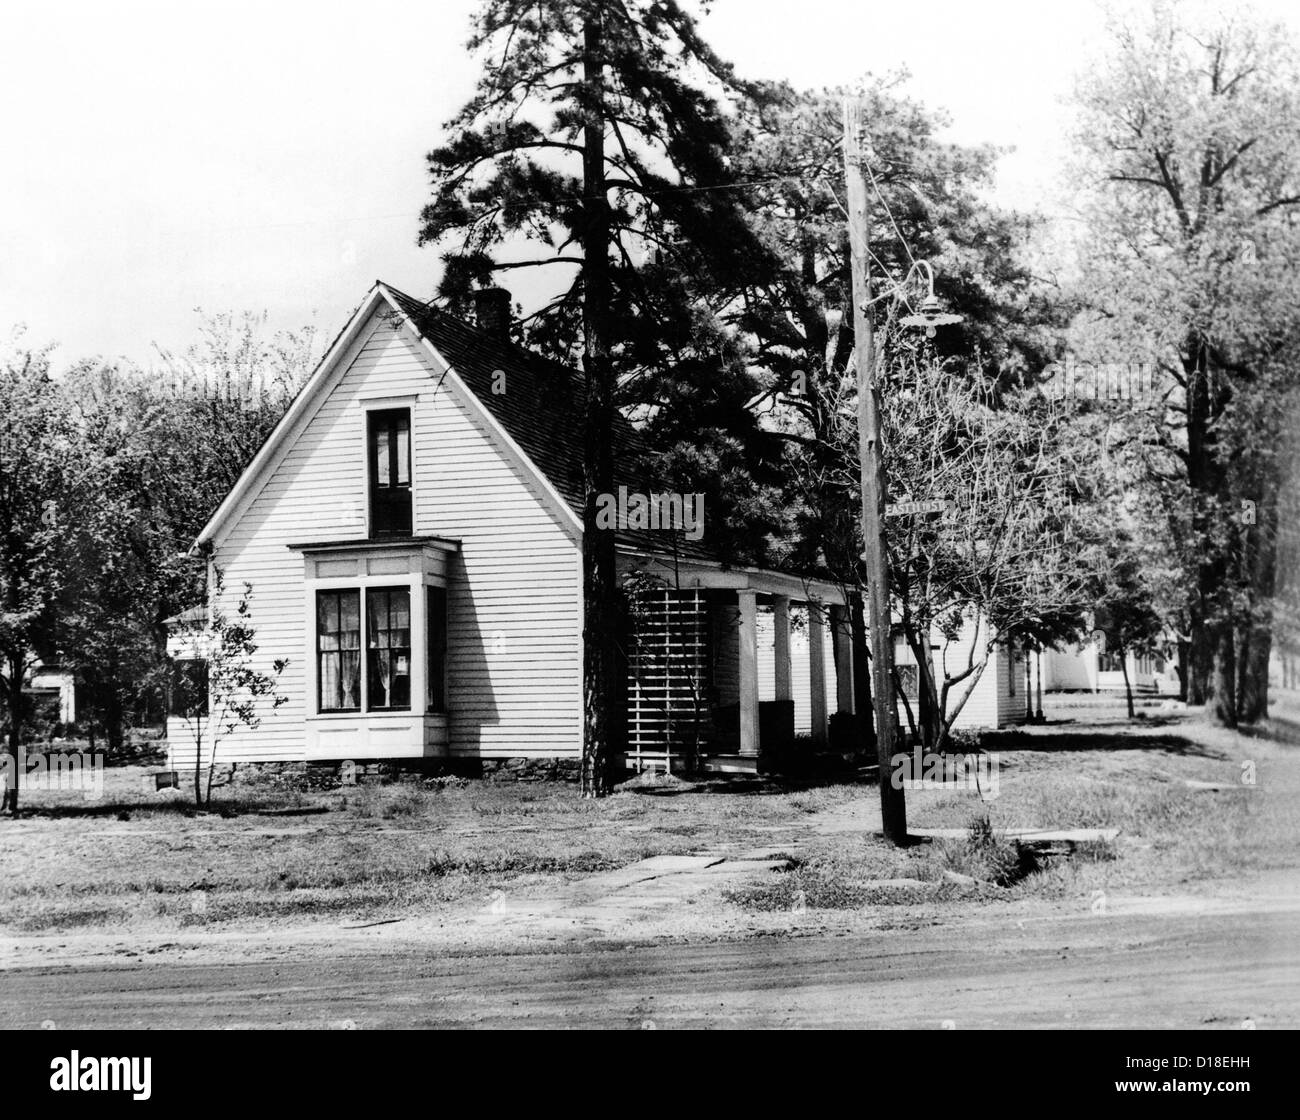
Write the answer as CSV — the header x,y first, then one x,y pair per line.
x,y
1103,773
278,854
271,853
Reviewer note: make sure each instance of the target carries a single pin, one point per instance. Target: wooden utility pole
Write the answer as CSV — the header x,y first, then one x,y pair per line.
x,y
599,576
893,808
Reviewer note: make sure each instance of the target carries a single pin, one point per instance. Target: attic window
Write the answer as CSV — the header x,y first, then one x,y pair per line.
x,y
389,449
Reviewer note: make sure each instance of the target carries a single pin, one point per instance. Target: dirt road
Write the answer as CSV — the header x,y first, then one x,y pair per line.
x,y
1152,969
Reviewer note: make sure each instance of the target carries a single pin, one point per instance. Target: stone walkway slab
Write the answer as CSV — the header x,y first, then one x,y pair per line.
x,y
1049,835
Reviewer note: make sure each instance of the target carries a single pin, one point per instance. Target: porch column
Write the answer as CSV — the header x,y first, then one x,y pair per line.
x,y
817,672
748,638
781,646
843,659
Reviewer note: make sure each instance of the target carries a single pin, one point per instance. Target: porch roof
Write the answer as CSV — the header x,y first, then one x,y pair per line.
x,y
445,544
684,572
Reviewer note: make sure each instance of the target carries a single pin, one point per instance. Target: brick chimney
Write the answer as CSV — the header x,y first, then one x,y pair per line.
x,y
492,312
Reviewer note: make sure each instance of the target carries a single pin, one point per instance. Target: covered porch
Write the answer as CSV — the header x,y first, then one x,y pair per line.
x,y
733,669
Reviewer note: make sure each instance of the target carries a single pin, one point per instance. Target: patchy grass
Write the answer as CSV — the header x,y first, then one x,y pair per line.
x,y
985,855
1105,774
280,852
853,878
276,852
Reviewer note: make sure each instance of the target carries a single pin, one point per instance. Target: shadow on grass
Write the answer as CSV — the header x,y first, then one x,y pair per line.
x,y
125,810
1066,742
752,785
1274,729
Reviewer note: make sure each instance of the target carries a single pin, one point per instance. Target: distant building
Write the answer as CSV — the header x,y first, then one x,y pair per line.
x,y
1089,667
54,685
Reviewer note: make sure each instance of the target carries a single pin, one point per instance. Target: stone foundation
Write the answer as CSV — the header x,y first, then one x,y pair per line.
x,y
333,774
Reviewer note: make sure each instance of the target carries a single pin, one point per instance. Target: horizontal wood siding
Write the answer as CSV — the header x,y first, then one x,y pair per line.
x,y
1010,684
513,652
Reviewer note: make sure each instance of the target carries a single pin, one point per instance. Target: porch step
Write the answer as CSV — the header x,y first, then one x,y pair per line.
x,y
713,763
731,764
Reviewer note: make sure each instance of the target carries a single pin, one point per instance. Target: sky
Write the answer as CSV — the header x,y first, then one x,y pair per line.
x,y
162,158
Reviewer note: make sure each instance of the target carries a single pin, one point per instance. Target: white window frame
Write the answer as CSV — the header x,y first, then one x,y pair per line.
x,y
365,406
361,567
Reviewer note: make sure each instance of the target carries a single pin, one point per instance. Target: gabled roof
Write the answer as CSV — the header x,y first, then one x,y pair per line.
x,y
540,412
539,402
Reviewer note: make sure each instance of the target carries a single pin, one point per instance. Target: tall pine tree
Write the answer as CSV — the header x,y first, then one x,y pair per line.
x,y
595,150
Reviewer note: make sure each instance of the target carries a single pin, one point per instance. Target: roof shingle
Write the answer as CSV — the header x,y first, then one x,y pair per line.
x,y
541,408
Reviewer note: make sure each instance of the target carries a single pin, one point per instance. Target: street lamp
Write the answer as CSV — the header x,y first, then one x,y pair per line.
x,y
931,314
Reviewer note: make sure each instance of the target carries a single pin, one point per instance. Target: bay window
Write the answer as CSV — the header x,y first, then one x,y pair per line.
x,y
387,652
377,653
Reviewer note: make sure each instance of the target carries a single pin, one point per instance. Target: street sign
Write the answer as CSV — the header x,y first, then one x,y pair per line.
x,y
901,509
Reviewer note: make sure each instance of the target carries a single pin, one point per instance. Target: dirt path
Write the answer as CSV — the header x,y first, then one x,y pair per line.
x,y
1144,970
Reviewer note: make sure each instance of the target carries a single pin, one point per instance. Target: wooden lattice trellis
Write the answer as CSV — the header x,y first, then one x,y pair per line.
x,y
668,659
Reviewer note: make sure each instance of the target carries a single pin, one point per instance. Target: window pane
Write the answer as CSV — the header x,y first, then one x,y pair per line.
x,y
437,643
338,642
909,678
403,452
389,674
326,612
376,617
349,621
189,688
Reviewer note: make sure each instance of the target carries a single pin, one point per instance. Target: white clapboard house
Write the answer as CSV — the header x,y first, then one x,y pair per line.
x,y
1088,666
412,534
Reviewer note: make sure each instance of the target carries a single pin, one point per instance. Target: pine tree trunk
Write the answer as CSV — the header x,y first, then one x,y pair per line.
x,y
599,588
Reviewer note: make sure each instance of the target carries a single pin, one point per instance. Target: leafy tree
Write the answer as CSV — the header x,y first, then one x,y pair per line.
x,y
926,204
216,403
796,315
1015,557
167,445
43,490
126,568
1190,140
1126,611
